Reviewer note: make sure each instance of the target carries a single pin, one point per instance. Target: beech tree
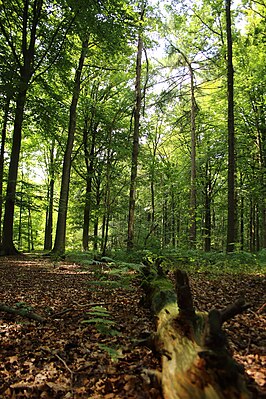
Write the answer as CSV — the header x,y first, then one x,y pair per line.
x,y
231,220
136,133
179,150
24,26
59,245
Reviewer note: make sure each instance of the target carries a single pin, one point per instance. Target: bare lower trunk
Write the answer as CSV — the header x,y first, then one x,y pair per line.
x,y
60,238
48,239
8,247
135,148
231,206
2,152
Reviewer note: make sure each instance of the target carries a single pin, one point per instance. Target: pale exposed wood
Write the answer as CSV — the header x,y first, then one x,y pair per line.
x,y
195,361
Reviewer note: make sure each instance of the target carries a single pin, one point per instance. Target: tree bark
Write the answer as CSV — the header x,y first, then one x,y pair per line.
x,y
60,238
195,361
193,169
193,193
26,72
135,149
8,247
207,221
89,161
48,238
231,205
2,152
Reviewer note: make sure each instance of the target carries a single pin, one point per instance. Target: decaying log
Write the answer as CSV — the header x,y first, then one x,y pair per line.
x,y
24,312
195,361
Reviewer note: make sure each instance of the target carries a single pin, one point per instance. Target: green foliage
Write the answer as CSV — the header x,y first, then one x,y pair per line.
x,y
215,262
80,257
105,107
114,353
102,319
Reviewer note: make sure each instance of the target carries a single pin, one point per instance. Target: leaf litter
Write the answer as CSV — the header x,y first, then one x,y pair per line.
x,y
68,358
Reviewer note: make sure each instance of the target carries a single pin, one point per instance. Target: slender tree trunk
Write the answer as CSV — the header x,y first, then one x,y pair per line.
x,y
60,238
48,239
135,149
193,193
108,192
2,152
257,228
173,206
207,222
231,211
89,160
242,223
29,29
251,227
96,220
261,129
31,231
264,224
103,249
20,215
241,214
165,222
8,247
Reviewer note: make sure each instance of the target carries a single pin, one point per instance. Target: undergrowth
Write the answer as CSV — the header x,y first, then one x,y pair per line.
x,y
122,265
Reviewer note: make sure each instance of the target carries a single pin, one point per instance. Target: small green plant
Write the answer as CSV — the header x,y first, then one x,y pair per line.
x,y
115,354
101,318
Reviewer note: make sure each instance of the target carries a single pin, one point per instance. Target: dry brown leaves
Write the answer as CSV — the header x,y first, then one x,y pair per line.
x,y
64,358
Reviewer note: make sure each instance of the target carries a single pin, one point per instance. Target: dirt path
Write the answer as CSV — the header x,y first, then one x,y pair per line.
x,y
65,358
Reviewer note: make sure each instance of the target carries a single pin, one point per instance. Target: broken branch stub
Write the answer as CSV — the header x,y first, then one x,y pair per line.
x,y
195,360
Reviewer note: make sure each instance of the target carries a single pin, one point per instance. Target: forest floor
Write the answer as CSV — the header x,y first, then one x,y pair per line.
x,y
67,358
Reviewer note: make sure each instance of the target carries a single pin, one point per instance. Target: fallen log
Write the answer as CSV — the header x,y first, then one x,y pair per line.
x,y
195,361
24,312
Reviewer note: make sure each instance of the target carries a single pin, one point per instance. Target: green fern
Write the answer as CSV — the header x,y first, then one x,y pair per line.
x,y
115,354
101,318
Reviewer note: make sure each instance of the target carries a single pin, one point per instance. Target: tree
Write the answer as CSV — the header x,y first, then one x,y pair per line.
x,y
48,234
135,147
24,27
60,237
231,218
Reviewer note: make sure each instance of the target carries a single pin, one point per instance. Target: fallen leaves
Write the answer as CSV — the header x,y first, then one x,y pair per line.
x,y
64,358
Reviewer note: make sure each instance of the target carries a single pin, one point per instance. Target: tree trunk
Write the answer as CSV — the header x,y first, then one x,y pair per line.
x,y
231,205
29,28
195,361
135,149
48,239
2,152
20,244
8,247
193,162
193,191
207,221
60,238
89,161
173,225
96,218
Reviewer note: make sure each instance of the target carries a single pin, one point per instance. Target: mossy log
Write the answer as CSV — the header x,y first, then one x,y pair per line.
x,y
195,361
24,312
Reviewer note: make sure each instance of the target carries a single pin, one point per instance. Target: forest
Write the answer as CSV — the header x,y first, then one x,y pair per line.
x,y
132,199
132,125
